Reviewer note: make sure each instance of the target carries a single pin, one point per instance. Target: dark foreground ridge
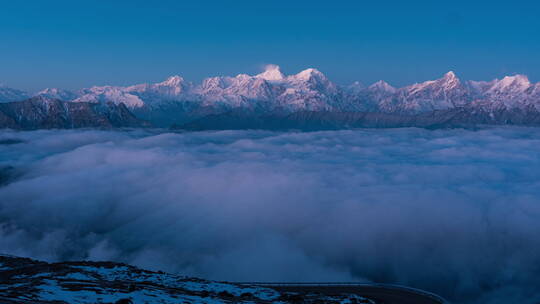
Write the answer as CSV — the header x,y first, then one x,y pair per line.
x,y
47,113
25,281
380,293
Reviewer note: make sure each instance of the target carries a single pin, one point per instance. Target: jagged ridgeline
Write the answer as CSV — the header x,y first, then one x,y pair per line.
x,y
272,100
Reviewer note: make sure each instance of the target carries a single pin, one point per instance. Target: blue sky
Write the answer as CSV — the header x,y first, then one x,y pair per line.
x,y
74,44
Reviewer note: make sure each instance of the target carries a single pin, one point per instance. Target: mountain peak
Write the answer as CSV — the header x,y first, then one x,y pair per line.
x,y
173,81
516,79
309,73
450,75
514,83
449,80
49,90
56,93
383,86
355,87
271,72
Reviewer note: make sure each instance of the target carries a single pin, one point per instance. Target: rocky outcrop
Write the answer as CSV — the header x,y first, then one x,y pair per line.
x,y
24,281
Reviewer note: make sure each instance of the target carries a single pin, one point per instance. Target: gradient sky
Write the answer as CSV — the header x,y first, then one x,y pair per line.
x,y
73,44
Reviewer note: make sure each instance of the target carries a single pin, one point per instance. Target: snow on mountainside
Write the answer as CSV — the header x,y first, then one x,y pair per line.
x,y
56,93
176,100
307,90
270,90
24,281
173,88
513,92
230,92
105,94
9,94
444,93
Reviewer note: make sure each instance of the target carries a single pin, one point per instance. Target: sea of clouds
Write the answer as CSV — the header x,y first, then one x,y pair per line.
x,y
456,212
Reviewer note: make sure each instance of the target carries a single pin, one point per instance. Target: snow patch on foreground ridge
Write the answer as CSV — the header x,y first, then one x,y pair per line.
x,y
23,280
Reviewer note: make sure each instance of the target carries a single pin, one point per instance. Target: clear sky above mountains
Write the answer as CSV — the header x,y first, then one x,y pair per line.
x,y
73,44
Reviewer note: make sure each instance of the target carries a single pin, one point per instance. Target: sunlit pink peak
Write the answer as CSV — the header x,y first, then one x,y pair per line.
x,y
309,73
383,86
450,75
173,81
515,83
520,80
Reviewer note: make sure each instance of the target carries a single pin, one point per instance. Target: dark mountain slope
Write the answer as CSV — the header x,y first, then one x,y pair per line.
x,y
47,113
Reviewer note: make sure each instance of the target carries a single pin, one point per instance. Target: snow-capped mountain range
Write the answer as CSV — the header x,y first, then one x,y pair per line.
x,y
176,100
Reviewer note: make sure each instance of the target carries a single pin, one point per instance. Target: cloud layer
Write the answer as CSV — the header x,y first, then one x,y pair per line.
x,y
456,212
